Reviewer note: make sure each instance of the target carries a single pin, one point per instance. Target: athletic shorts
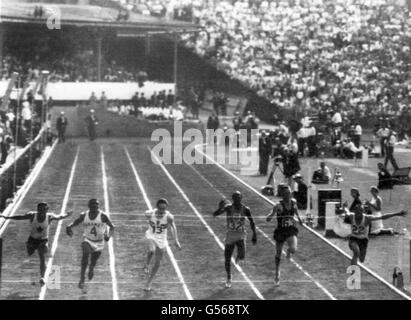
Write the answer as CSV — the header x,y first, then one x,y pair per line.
x,y
96,246
234,236
362,243
35,244
155,242
282,234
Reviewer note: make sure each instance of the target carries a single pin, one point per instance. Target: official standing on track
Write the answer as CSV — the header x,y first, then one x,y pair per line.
x,y
61,126
92,123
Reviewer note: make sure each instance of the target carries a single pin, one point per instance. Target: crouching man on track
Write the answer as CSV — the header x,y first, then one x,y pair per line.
x,y
286,231
38,240
95,223
236,234
360,225
159,221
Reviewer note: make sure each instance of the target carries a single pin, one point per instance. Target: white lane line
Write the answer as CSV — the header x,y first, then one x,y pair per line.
x,y
58,229
220,244
21,193
374,274
112,259
149,206
319,285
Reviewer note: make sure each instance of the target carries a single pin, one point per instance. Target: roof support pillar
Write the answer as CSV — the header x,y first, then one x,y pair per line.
x,y
99,58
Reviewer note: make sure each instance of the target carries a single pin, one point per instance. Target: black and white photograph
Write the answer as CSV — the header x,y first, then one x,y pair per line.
x,y
205,154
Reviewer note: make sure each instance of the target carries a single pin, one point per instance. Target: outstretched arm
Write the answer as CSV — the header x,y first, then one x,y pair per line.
x,y
389,215
62,216
252,225
27,216
173,229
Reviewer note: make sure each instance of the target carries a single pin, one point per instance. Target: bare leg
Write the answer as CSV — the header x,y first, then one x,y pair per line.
x,y
279,250
93,262
292,246
158,256
356,252
84,263
42,251
228,253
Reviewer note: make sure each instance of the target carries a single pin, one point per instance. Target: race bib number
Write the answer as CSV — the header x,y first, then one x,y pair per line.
x,y
288,223
157,227
358,229
93,231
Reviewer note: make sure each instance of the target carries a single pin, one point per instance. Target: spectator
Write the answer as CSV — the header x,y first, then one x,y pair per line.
x,y
103,100
357,135
264,153
26,115
355,194
384,178
374,208
383,134
300,194
93,100
322,175
392,140
91,122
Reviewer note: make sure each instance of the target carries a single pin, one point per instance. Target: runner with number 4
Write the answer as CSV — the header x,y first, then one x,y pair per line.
x,y
95,223
159,220
38,240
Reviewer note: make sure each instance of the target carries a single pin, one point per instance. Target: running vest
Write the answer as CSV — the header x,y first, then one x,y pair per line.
x,y
236,219
40,230
158,227
359,231
94,229
285,217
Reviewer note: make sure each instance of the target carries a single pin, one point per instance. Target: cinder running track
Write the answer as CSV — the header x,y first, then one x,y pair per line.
x,y
122,175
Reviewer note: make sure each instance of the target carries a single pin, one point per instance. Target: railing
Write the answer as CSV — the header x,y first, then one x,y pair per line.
x,y
13,175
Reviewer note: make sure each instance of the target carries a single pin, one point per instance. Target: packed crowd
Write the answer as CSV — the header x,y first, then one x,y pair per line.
x,y
316,55
174,9
75,68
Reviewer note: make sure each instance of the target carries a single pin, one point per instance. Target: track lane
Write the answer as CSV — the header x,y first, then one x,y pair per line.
x,y
20,274
202,260
87,184
330,266
129,241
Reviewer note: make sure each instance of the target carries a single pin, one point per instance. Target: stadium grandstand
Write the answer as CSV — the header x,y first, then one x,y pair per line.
x,y
181,149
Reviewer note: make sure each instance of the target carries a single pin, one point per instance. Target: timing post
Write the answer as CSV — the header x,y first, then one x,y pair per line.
x,y
308,215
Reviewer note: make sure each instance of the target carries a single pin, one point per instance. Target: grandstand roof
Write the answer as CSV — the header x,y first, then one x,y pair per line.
x,y
90,16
